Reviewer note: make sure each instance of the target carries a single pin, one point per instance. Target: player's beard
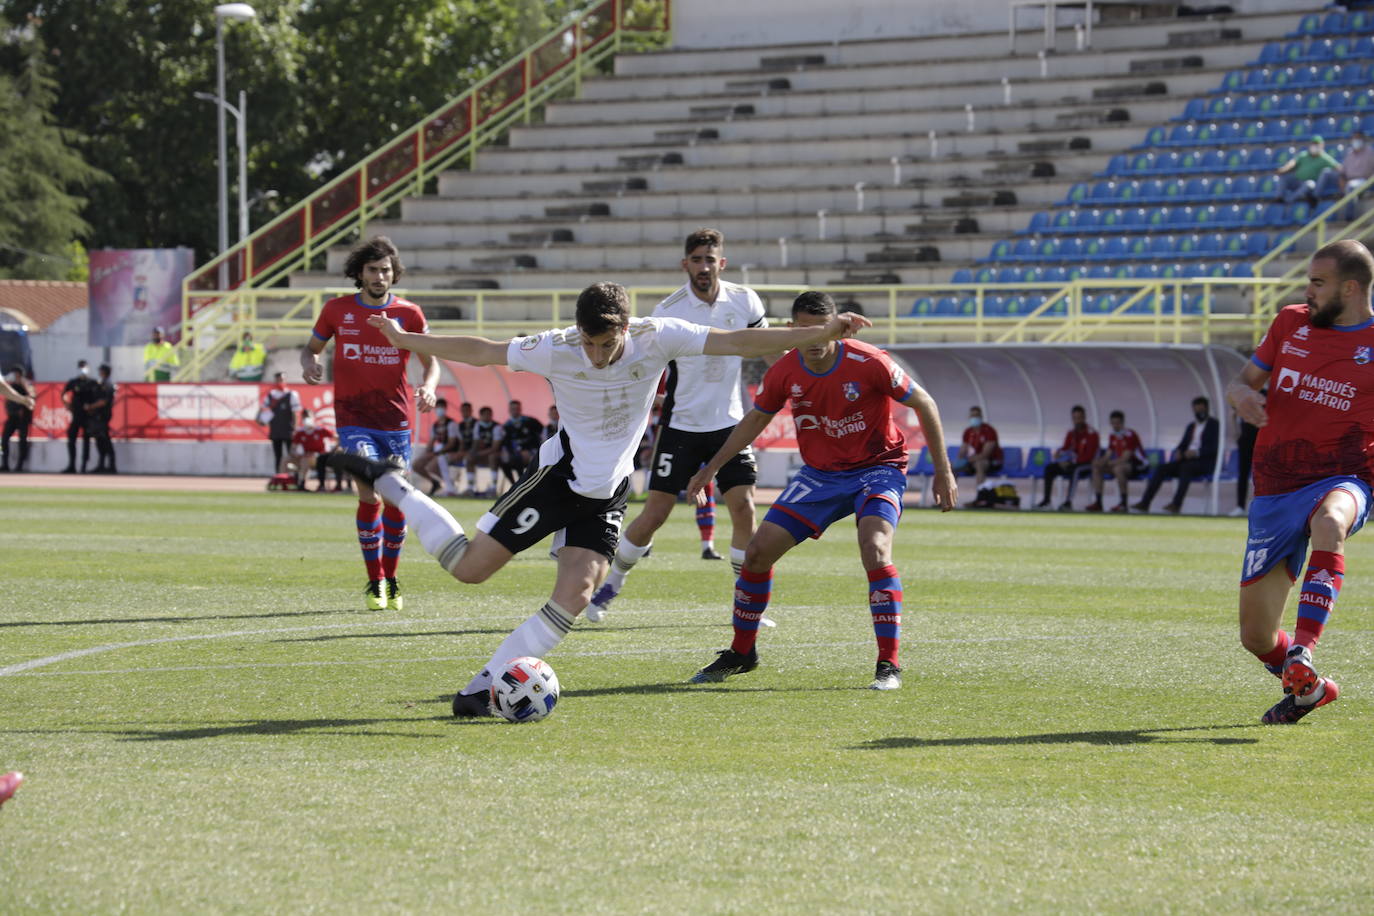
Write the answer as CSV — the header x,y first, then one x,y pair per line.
x,y
701,283
1324,315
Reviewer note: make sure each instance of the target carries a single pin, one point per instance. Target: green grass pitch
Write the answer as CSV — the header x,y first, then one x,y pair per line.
x,y
1077,731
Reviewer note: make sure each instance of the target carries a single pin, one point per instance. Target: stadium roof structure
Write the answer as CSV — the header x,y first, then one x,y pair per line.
x,y
39,303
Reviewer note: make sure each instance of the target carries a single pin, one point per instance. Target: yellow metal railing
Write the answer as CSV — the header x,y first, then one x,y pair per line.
x,y
402,167
1320,230
1164,311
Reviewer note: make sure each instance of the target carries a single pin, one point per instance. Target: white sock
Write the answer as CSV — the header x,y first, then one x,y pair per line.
x,y
440,534
708,543
626,556
472,478
536,637
737,559
444,473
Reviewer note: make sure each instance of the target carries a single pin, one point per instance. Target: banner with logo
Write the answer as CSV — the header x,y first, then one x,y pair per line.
x,y
133,291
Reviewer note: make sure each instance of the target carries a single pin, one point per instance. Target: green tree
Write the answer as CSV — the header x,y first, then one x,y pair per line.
x,y
327,81
40,171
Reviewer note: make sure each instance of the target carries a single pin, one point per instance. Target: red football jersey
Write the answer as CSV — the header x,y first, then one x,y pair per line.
x,y
316,439
1320,403
370,385
1125,444
975,437
1083,444
844,417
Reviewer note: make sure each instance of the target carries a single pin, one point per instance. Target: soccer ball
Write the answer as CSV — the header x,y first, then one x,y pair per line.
x,y
525,690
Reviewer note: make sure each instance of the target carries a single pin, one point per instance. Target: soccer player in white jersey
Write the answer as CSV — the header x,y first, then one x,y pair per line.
x,y
604,372
701,405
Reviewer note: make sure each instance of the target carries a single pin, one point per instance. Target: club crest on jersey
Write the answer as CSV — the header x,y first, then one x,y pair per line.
x,y
851,391
796,390
1302,332
348,317
529,343
1362,355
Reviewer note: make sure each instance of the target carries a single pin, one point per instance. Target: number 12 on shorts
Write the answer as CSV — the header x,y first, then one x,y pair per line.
x,y
1254,562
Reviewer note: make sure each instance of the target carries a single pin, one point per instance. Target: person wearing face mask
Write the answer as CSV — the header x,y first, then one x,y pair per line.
x,y
77,395
1298,176
248,361
308,443
18,418
99,414
981,453
1195,456
1355,171
430,465
159,358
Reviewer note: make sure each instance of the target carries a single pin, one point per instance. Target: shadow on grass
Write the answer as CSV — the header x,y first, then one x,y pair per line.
x,y
1108,738
277,727
176,619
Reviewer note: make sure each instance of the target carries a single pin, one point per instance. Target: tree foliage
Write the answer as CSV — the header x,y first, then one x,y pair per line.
x,y
41,175
327,82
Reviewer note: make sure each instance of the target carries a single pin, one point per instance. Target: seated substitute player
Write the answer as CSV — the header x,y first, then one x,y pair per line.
x,y
1312,467
1123,459
521,436
1076,455
701,405
308,445
485,452
854,463
980,452
603,372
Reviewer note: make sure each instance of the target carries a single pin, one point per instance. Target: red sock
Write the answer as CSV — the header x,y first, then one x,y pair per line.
x,y
1273,659
393,536
1321,586
370,537
752,591
885,604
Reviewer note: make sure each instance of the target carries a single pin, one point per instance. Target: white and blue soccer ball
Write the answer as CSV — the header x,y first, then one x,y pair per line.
x,y
525,690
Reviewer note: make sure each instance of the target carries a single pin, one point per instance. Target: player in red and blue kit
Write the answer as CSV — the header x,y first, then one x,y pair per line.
x,y
1312,467
372,397
841,393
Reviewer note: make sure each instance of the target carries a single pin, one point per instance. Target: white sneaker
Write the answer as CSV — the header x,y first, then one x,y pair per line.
x,y
1238,512
768,621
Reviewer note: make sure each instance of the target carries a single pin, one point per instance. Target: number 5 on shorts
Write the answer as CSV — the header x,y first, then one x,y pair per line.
x,y
665,465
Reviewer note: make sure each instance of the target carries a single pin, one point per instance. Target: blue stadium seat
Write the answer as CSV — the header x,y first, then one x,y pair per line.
x,y
1293,51
1332,23
995,305
1268,104
1066,220
1047,249
1078,193
1032,275
1148,192
1179,135
1155,136
985,275
1094,248
1173,271
1363,49
1256,244
1233,81
1300,213
1055,273
1103,190
1095,303
1024,250
1188,245
962,275
1200,189
1161,246
1116,248
1282,77
1117,165
1275,214
1246,106
1194,110
1000,251
1039,222
1218,106
1254,214
1036,461
1012,461
1142,163
1165,163
922,307
1070,247
1258,79
1137,246
1192,304
1359,21
1271,53
1228,160
955,308
1308,25
1318,50
1145,271
1010,274
1210,243
1261,158
922,466
1344,48
1131,189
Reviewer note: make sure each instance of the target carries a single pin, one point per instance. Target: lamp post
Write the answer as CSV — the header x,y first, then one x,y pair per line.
x,y
241,137
239,12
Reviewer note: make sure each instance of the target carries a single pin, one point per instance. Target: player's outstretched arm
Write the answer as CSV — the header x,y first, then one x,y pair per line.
x,y
745,432
943,486
475,351
765,341
1244,394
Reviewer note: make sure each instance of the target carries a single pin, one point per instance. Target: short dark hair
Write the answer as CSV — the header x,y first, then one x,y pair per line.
x,y
484,409
1353,261
441,402
1116,414
374,249
1078,408
603,307
467,404
711,238
813,302
1203,401
976,407
80,363
104,367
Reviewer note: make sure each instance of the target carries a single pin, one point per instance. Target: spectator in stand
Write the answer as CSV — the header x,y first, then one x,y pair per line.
x,y
1077,453
1298,176
1196,456
980,453
79,391
18,395
99,414
430,465
309,444
553,426
520,439
248,361
1124,458
1355,171
279,409
159,359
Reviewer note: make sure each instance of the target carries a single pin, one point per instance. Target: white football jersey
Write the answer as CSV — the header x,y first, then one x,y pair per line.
x,y
704,392
604,412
